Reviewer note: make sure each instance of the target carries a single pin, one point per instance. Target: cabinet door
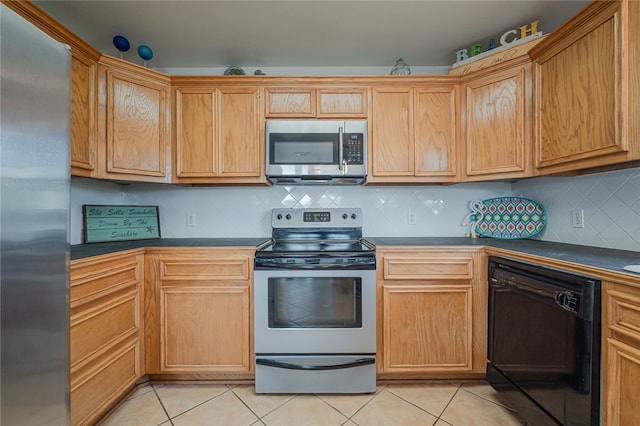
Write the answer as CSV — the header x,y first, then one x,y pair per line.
x,y
622,377
427,328
290,102
586,90
497,131
620,353
577,112
137,128
205,329
195,130
436,141
432,312
105,332
84,73
307,102
391,138
198,312
342,103
241,152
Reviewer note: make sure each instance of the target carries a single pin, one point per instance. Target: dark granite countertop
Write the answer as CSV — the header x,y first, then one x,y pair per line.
x,y
602,258
79,251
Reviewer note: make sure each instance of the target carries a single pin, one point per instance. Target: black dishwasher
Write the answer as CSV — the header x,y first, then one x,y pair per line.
x,y
544,342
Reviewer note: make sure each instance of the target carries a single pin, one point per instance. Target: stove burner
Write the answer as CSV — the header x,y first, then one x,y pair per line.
x,y
336,241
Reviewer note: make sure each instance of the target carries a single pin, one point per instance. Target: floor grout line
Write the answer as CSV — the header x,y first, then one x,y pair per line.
x,y
348,419
190,408
253,412
489,400
162,405
449,403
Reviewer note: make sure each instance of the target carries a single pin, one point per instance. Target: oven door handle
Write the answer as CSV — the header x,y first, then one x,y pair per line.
x,y
287,365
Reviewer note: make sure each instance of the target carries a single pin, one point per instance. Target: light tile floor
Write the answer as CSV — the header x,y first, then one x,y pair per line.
x,y
434,404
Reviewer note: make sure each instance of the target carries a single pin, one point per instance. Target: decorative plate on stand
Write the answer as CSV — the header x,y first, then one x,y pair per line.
x,y
509,218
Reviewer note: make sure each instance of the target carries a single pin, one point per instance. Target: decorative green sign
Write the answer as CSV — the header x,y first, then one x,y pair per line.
x,y
104,223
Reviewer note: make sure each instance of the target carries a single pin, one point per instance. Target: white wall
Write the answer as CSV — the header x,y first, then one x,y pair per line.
x,y
307,71
245,211
90,191
611,204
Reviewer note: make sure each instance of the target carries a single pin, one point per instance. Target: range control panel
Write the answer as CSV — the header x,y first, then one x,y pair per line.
x,y
316,218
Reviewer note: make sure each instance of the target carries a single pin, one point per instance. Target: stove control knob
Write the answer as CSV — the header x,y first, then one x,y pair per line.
x,y
344,216
353,216
288,216
279,217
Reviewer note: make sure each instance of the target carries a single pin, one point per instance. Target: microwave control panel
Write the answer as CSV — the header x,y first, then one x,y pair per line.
x,y
353,148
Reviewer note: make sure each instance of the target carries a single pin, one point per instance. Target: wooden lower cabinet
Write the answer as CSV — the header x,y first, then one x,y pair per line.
x,y
105,332
432,312
198,311
620,353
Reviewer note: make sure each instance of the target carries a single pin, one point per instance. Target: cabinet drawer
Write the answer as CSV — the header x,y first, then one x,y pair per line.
x,y
103,325
94,391
99,277
624,314
222,269
427,268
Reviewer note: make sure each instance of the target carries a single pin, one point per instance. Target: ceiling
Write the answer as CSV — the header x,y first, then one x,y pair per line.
x,y
314,33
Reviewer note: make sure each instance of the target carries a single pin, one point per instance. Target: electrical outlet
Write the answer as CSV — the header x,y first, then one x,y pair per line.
x,y
411,217
577,218
191,219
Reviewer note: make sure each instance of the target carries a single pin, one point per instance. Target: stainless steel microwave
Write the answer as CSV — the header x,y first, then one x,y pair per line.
x,y
316,151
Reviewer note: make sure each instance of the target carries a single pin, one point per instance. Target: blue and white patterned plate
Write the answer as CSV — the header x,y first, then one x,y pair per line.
x,y
509,218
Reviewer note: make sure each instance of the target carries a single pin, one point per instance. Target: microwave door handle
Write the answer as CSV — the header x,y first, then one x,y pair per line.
x,y
340,149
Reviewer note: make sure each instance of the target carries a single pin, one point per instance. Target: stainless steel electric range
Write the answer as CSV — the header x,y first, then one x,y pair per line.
x,y
315,304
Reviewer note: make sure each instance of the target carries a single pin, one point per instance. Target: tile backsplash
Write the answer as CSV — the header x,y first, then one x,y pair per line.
x,y
246,212
610,201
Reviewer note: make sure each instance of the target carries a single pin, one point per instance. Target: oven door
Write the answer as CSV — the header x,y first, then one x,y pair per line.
x,y
315,311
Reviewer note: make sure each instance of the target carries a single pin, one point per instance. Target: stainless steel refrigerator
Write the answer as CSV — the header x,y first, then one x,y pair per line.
x,y
35,100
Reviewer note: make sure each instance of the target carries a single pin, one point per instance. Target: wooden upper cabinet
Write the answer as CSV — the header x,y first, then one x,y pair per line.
x,y
84,109
241,144
436,112
391,146
135,122
195,150
218,135
347,103
586,97
413,134
496,123
310,102
290,102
